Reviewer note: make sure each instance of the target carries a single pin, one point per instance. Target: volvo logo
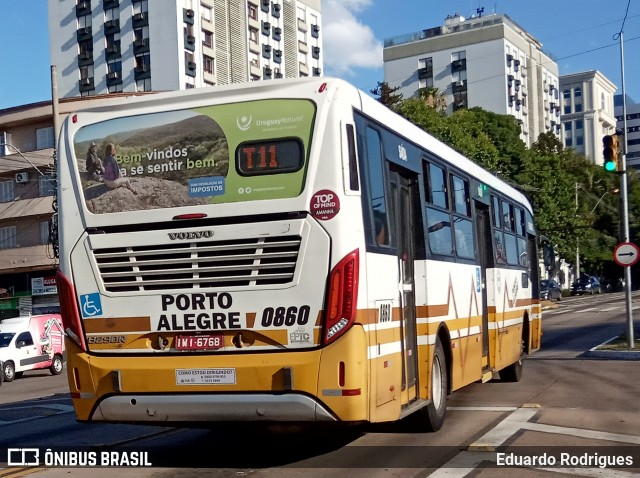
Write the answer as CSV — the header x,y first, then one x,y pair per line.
x,y
190,235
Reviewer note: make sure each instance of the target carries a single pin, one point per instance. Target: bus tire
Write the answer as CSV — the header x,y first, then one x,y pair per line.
x,y
434,413
513,372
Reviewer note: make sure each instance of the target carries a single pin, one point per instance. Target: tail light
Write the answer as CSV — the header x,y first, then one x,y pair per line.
x,y
69,310
342,298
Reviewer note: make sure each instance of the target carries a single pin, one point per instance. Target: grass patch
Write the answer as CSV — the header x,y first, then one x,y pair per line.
x,y
620,343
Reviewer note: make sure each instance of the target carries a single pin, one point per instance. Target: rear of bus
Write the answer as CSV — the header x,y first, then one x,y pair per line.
x,y
218,277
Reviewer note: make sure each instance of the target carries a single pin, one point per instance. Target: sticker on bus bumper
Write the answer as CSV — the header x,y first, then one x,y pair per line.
x,y
206,376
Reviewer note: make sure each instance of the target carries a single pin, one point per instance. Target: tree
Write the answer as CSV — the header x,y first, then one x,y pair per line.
x,y
433,98
387,95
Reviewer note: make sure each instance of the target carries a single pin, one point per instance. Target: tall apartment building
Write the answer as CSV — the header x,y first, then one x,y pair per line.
x,y
109,46
587,112
485,61
633,129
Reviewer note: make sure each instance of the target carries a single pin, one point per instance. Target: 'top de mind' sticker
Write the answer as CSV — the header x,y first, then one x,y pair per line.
x,y
324,205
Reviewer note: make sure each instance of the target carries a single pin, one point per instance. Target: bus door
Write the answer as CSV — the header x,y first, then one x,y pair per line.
x,y
403,189
485,251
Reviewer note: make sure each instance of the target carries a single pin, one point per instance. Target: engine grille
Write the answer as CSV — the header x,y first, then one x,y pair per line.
x,y
246,262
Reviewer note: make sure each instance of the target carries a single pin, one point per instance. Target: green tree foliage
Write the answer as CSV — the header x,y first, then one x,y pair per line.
x,y
574,200
387,95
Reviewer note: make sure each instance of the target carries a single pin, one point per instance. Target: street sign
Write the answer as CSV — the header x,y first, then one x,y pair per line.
x,y
626,254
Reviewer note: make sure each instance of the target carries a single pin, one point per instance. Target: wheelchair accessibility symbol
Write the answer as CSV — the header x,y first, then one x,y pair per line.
x,y
91,305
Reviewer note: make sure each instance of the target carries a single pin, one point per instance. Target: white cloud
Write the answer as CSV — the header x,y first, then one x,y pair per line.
x,y
347,42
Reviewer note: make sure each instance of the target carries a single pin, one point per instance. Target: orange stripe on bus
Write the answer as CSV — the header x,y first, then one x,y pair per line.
x,y
118,324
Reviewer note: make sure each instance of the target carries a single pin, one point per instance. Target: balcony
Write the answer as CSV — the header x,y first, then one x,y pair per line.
x,y
84,34
458,105
315,52
85,58
140,45
191,68
140,19
316,71
459,65
265,28
187,16
31,258
141,72
459,85
114,78
315,31
267,73
86,84
109,4
112,51
83,8
111,27
189,42
426,72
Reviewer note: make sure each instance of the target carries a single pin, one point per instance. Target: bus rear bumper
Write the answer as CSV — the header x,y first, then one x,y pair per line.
x,y
212,408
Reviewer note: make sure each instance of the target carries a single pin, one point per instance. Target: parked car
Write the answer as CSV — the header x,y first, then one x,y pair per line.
x,y
586,285
550,290
31,343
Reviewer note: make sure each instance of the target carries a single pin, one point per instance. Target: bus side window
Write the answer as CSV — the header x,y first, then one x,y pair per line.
x,y
439,231
501,256
377,194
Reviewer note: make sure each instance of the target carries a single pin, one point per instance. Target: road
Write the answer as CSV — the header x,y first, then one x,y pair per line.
x,y
566,402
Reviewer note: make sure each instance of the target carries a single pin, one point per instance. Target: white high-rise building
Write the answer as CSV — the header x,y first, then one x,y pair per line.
x,y
485,61
588,112
108,46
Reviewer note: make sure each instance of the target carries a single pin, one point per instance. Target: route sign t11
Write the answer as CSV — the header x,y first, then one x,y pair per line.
x,y
626,254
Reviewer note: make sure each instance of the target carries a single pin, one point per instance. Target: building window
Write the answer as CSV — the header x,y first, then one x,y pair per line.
x,y
253,35
44,137
577,100
253,11
566,101
206,13
254,60
46,185
8,237
143,84
207,64
207,39
44,232
7,191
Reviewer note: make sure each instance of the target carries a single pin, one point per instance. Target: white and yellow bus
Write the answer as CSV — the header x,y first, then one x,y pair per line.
x,y
287,250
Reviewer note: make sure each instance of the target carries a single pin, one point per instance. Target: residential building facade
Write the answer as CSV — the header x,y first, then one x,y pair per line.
x,y
633,129
485,61
587,112
110,46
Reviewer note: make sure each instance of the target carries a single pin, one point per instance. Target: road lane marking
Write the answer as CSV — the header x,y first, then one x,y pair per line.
x,y
609,309
483,450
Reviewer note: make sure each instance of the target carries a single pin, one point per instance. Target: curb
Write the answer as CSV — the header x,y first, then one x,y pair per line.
x,y
596,352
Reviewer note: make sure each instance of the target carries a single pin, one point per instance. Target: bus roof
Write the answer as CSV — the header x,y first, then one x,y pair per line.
x,y
307,88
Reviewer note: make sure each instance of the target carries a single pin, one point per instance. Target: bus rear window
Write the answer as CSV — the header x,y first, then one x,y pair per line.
x,y
269,157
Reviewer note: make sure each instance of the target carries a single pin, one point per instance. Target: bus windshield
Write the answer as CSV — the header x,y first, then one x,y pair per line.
x,y
218,154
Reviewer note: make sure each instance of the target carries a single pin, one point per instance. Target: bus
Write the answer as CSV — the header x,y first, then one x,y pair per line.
x,y
283,251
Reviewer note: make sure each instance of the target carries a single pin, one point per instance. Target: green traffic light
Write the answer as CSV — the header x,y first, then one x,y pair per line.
x,y
610,166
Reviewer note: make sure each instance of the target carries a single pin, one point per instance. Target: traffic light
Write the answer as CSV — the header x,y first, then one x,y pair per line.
x,y
610,152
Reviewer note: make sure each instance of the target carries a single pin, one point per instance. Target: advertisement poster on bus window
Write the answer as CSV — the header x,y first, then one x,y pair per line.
x,y
216,154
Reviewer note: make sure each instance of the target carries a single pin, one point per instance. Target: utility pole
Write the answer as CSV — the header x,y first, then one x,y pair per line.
x,y
624,204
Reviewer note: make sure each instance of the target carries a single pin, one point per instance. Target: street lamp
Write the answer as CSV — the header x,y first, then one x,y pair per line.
x,y
613,191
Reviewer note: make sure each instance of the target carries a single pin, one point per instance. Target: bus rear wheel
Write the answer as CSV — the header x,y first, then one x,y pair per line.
x,y
513,372
434,413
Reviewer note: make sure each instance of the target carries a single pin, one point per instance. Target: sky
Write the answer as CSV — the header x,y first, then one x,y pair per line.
x,y
580,35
